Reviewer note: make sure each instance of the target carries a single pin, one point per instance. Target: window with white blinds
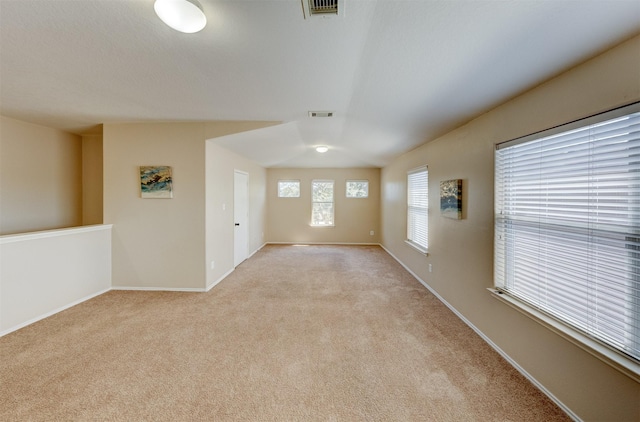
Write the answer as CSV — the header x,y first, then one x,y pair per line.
x,y
567,225
418,208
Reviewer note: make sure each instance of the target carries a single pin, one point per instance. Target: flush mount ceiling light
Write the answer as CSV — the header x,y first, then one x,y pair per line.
x,y
182,15
322,149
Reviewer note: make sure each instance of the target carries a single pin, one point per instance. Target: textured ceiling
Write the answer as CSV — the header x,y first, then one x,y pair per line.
x,y
395,73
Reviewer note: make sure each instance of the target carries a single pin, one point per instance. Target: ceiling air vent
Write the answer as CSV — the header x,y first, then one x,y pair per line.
x,y
321,114
321,8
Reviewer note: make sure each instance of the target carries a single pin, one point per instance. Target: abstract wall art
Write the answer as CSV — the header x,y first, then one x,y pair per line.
x,y
156,182
451,199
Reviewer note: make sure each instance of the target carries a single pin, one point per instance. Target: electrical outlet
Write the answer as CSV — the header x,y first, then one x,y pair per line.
x,y
430,268
213,264
372,232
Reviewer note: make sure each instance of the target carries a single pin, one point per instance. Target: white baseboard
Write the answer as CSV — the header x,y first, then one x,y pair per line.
x,y
254,252
323,243
48,314
489,342
225,275
160,289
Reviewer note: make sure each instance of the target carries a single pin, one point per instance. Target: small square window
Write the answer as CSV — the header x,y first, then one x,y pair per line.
x,y
357,188
288,189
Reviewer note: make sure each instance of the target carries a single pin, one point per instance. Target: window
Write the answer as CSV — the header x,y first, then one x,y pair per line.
x,y
357,188
567,225
418,208
322,203
288,188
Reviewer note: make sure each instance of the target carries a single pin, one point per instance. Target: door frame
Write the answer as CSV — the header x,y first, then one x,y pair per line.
x,y
239,257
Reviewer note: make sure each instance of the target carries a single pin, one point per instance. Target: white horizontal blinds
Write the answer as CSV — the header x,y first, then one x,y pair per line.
x,y
568,227
418,206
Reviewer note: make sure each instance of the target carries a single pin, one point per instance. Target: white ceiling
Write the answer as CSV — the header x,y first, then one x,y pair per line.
x,y
395,73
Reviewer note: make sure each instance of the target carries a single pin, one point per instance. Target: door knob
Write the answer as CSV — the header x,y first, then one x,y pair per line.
x,y
237,224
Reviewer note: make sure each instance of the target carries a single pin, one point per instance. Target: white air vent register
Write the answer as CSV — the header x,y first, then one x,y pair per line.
x,y
322,8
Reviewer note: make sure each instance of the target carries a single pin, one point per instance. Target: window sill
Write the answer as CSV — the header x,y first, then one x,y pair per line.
x,y
611,357
417,247
330,226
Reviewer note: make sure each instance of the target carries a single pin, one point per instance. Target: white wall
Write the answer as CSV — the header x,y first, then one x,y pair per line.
x,y
461,251
40,177
42,273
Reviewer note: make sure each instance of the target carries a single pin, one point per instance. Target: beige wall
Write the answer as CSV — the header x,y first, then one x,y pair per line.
x,y
40,177
169,243
92,179
157,243
221,166
461,252
289,219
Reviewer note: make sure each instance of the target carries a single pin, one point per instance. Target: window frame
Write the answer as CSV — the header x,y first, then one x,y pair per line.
x,y
288,181
414,211
346,192
590,342
332,202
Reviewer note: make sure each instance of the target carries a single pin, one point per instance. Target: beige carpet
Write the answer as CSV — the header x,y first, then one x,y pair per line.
x,y
316,333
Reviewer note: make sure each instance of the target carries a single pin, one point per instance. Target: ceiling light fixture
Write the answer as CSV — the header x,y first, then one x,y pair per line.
x,y
322,149
182,15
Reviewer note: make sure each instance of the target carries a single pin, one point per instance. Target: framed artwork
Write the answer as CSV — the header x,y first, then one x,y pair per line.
x,y
451,199
156,182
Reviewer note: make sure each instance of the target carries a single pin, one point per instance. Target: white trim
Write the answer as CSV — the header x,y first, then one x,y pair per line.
x,y
323,243
423,167
412,209
215,283
589,345
565,127
417,247
51,313
490,343
289,180
333,203
20,237
161,289
346,187
254,252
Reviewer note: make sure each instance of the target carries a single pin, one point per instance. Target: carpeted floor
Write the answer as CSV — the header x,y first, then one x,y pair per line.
x,y
315,333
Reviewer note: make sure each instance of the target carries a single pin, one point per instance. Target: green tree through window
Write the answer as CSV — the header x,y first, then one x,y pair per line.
x,y
322,203
288,188
357,188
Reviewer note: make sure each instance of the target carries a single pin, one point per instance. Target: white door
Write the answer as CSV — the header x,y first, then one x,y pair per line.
x,y
241,217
